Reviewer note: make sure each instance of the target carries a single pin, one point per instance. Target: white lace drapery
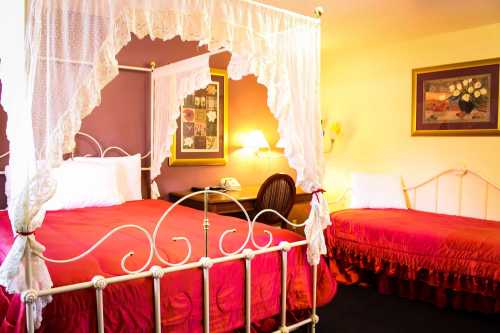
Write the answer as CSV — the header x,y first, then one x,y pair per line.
x,y
171,84
71,48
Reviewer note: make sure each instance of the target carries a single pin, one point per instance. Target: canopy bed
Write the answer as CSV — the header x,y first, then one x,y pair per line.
x,y
445,249
70,51
181,291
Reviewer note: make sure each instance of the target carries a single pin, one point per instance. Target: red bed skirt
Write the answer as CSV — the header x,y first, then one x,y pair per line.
x,y
393,279
447,260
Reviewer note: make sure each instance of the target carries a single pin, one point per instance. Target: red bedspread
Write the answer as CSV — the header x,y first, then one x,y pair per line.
x,y
456,253
130,308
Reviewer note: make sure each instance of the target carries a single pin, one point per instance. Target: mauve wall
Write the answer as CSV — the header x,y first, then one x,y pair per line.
x,y
122,119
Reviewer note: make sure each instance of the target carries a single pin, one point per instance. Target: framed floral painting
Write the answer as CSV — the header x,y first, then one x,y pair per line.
x,y
458,99
201,137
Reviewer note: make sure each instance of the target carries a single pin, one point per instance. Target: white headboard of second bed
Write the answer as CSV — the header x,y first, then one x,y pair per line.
x,y
457,192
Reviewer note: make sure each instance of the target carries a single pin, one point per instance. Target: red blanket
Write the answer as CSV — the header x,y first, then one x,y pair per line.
x,y
456,253
129,308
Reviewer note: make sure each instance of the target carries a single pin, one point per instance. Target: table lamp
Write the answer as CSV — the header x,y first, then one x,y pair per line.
x,y
256,142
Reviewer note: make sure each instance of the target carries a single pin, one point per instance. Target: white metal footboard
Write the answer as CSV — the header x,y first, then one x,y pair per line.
x,y
205,263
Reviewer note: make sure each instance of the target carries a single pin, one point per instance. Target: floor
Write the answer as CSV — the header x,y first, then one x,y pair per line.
x,y
357,309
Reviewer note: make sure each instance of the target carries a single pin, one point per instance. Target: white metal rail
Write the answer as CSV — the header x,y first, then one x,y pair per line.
x,y
247,252
481,207
102,152
460,173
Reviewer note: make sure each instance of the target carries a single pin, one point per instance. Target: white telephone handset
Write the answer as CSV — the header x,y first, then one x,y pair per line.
x,y
230,183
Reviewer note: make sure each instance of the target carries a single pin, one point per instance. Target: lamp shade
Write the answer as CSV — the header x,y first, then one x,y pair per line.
x,y
255,140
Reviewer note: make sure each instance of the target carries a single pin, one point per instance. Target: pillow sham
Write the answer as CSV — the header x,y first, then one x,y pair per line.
x,y
377,191
128,173
81,184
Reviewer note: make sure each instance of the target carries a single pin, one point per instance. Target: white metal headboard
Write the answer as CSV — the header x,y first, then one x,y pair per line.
x,y
103,152
460,192
2,172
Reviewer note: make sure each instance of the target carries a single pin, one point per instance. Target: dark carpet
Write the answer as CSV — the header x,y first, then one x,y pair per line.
x,y
357,309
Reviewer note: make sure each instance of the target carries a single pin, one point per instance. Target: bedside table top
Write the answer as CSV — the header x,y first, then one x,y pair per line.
x,y
246,193
221,204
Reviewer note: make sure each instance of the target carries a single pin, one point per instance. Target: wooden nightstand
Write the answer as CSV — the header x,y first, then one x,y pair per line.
x,y
220,204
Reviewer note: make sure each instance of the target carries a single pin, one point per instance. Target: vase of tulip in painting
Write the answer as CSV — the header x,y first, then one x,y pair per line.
x,y
466,107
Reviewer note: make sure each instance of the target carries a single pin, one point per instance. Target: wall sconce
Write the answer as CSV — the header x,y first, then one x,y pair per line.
x,y
330,135
256,142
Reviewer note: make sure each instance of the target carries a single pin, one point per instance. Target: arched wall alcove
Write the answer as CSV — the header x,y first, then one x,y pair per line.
x,y
123,118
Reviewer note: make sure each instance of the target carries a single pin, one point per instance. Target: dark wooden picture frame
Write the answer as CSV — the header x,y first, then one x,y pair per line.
x,y
457,99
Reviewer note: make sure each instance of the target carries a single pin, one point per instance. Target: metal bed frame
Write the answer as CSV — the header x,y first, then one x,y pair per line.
x,y
484,182
30,296
481,207
246,252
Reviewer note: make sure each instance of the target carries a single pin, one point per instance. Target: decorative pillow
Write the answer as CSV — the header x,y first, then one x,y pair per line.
x,y
129,173
81,184
377,191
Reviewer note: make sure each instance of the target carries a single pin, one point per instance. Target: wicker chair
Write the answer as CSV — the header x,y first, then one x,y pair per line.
x,y
278,193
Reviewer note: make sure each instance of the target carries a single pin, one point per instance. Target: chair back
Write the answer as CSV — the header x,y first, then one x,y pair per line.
x,y
278,193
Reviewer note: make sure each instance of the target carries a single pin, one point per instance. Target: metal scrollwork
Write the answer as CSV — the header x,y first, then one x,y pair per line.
x,y
152,238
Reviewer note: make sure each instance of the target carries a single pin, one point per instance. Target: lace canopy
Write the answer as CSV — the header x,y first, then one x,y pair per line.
x,y
71,49
171,84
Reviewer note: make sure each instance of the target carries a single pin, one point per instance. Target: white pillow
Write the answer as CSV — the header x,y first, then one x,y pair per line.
x,y
129,173
81,184
377,191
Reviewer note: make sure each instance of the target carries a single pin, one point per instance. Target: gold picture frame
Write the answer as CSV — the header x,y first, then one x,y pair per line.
x,y
449,115
192,157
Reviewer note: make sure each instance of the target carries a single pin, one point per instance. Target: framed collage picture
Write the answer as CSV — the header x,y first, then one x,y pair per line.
x,y
202,131
457,99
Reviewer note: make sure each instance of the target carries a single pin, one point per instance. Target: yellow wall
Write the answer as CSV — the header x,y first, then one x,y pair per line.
x,y
369,92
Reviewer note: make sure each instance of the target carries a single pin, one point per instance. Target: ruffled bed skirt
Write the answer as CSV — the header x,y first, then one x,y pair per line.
x,y
393,275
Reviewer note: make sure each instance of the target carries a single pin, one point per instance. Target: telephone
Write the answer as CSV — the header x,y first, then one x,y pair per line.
x,y
230,183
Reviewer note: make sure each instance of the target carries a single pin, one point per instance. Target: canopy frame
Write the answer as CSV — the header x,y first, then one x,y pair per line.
x,y
272,44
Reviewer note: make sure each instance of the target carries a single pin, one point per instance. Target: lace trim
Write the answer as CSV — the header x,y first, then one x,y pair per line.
x,y
260,58
185,87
